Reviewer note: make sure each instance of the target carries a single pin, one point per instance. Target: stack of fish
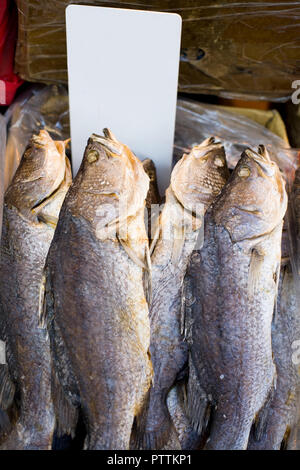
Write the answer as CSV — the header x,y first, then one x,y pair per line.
x,y
182,338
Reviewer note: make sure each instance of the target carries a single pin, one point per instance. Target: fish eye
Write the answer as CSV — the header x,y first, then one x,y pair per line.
x,y
93,156
219,162
244,172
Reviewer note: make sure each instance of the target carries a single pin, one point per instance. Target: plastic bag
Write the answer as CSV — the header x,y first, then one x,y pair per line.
x,y
48,107
39,107
196,121
233,49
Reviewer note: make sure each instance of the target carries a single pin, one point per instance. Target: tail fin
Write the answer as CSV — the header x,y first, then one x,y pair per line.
x,y
188,437
197,405
66,413
153,428
5,425
7,392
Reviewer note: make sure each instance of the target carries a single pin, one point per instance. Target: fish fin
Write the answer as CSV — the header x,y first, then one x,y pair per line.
x,y
285,440
182,375
153,427
46,302
256,262
189,439
187,301
7,393
64,388
156,235
66,413
147,276
196,402
177,245
62,365
42,323
5,424
184,288
109,230
132,255
7,388
276,279
67,143
261,420
292,438
182,311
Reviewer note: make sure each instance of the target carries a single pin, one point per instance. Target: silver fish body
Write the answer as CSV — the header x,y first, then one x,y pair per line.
x,y
33,198
277,425
195,181
234,281
96,307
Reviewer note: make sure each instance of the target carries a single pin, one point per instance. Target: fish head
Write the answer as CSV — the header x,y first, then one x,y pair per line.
x,y
112,184
254,200
199,176
43,169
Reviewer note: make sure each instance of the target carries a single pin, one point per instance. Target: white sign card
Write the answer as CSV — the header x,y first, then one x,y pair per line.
x,y
123,74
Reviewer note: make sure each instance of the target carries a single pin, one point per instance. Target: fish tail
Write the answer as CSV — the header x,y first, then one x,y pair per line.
x,y
275,437
66,414
292,438
189,438
196,403
270,430
5,424
7,392
154,429
261,422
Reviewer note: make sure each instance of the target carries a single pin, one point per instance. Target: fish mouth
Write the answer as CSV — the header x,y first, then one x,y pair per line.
x,y
108,142
41,139
202,151
210,141
262,158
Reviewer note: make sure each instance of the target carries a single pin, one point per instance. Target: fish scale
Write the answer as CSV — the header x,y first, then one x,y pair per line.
x,y
96,308
233,283
186,195
277,425
24,247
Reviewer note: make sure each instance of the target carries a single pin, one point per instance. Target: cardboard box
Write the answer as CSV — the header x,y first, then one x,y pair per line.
x,y
232,49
